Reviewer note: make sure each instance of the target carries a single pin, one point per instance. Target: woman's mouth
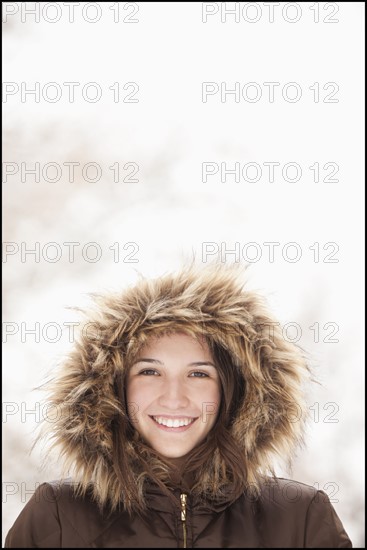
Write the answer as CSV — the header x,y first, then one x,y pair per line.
x,y
173,424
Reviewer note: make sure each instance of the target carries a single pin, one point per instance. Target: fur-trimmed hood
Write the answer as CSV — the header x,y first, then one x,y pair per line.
x,y
210,301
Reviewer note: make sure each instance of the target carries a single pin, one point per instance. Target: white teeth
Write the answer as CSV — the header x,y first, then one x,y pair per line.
x,y
173,423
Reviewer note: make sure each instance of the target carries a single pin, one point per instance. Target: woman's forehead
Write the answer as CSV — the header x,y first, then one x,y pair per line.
x,y
177,341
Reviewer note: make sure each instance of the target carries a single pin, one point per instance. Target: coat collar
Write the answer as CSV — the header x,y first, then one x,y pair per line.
x,y
159,501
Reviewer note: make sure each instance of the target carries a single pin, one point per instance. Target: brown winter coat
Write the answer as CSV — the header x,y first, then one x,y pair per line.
x,y
88,396
288,515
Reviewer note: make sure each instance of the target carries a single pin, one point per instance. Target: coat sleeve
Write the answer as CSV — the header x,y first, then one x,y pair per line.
x,y
37,525
323,526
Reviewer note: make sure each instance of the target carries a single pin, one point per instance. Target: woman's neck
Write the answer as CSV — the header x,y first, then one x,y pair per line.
x,y
180,477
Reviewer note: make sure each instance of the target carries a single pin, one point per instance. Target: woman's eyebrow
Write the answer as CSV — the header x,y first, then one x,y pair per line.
x,y
147,360
201,363
156,361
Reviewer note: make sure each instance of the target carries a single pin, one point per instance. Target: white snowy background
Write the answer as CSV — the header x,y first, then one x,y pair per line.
x,y
170,213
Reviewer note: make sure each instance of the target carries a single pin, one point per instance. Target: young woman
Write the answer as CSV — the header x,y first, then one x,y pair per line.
x,y
170,409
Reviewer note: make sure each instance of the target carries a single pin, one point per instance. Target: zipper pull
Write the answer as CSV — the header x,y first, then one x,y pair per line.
x,y
183,499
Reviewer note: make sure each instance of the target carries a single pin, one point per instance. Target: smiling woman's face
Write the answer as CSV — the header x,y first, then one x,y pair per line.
x,y
173,394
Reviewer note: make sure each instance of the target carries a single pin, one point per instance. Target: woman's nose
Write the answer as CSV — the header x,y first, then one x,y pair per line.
x,y
173,395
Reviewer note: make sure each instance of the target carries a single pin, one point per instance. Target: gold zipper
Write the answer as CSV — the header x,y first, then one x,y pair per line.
x,y
183,499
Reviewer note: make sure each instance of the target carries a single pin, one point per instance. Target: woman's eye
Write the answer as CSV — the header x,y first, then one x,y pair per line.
x,y
148,372
199,374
